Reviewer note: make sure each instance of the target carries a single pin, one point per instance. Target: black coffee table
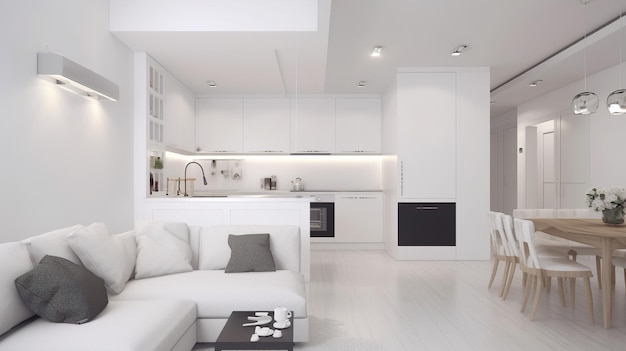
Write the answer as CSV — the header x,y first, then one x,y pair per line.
x,y
236,337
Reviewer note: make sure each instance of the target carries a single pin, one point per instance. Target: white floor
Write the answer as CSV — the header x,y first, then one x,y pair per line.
x,y
443,305
365,300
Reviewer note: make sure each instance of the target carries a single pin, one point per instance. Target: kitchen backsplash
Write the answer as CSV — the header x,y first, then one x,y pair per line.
x,y
318,172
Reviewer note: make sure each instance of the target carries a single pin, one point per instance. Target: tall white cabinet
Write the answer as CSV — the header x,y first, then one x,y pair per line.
x,y
437,123
427,135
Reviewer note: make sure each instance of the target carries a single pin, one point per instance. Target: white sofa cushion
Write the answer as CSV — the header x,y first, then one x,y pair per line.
x,y
52,243
103,254
162,248
122,326
217,294
14,261
214,252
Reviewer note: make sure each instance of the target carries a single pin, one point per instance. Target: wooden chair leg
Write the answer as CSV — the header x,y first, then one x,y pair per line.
x,y
493,272
561,291
599,271
509,282
548,283
589,299
529,284
505,276
536,301
572,290
613,277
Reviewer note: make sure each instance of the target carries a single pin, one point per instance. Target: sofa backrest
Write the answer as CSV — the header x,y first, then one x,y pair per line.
x,y
213,251
14,261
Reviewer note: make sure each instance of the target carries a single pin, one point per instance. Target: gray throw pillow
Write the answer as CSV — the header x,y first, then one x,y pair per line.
x,y
62,291
250,253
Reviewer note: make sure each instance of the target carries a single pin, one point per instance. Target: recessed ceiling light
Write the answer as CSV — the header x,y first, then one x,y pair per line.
x,y
211,83
377,51
535,83
458,50
361,84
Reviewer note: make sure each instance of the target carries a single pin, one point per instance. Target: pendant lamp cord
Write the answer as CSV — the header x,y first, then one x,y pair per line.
x,y
585,48
621,73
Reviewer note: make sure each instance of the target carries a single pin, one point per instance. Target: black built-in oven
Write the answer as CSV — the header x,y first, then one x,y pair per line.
x,y
323,216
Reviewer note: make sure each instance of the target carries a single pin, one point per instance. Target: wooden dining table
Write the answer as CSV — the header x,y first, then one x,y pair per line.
x,y
595,233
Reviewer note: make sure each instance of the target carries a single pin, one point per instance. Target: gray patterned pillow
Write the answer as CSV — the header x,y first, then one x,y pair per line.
x,y
250,253
62,291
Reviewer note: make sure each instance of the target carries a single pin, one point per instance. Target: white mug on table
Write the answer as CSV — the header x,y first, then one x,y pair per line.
x,y
281,314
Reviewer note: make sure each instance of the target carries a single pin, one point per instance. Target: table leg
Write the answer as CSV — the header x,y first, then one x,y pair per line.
x,y
607,292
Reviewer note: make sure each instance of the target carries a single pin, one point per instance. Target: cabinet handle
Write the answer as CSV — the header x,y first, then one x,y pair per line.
x,y
401,178
427,208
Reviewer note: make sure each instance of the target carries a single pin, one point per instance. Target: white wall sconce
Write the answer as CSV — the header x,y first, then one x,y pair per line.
x,y
377,51
74,77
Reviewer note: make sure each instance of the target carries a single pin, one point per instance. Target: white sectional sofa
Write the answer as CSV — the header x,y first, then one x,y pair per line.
x,y
154,303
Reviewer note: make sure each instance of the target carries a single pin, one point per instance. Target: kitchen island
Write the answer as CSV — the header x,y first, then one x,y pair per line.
x,y
236,209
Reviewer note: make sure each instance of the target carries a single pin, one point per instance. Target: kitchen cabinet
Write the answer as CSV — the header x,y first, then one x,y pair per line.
x,y
180,116
219,125
426,224
358,125
266,125
426,135
359,217
313,126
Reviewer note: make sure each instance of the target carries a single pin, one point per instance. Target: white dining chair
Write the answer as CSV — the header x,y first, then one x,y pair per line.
x,y
538,267
499,250
512,241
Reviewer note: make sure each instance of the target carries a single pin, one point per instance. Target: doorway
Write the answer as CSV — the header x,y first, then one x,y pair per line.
x,y
557,162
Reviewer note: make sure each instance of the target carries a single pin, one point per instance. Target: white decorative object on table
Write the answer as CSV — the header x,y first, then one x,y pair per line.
x,y
608,200
263,331
260,320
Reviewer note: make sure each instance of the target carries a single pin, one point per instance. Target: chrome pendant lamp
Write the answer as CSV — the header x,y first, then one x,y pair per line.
x,y
616,101
587,102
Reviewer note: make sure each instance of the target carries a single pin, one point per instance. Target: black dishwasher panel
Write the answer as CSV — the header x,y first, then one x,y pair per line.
x,y
426,224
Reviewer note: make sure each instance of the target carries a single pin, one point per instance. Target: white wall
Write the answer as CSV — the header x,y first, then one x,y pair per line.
x,y
504,162
66,159
606,132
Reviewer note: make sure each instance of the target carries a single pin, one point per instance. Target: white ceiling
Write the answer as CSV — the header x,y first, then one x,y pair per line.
x,y
509,36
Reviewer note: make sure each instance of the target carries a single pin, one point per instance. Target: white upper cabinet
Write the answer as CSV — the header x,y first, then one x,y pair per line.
x,y
313,125
358,125
180,116
266,125
426,138
219,125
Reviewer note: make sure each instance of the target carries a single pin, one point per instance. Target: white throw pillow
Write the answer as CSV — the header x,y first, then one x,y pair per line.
x,y
103,254
52,243
162,248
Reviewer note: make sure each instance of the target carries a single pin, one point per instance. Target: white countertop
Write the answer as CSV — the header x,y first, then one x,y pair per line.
x,y
260,194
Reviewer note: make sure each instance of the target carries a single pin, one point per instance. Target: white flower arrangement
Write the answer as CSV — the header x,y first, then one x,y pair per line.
x,y
601,199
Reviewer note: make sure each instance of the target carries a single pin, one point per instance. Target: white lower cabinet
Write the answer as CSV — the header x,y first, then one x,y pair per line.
x,y
359,217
